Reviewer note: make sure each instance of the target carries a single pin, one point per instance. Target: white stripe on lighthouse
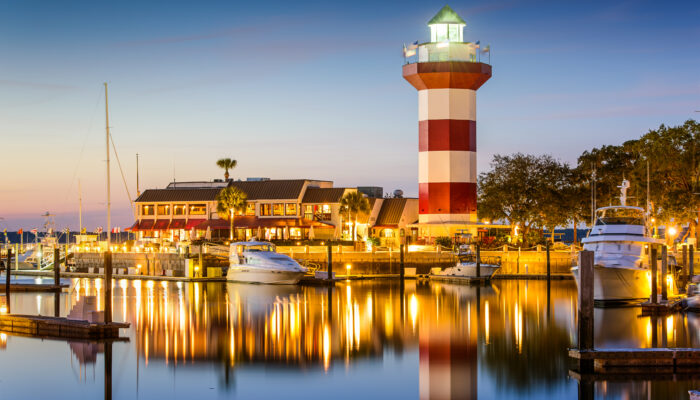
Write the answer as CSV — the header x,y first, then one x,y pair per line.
x,y
446,166
457,104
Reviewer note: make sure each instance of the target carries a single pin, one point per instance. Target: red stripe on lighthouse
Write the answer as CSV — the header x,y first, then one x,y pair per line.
x,y
446,134
447,198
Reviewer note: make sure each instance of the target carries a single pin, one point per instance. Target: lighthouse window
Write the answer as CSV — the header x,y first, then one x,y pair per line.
x,y
441,32
454,33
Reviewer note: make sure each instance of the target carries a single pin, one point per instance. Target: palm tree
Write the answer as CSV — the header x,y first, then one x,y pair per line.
x,y
229,200
355,203
226,164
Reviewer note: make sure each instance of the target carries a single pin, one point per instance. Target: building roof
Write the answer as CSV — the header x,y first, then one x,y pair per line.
x,y
363,218
446,16
193,194
323,195
391,211
272,189
256,190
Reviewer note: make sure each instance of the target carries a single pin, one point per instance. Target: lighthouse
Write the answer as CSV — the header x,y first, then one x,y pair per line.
x,y
447,72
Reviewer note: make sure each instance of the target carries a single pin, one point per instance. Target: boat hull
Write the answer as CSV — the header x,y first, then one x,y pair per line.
x,y
466,271
618,284
251,275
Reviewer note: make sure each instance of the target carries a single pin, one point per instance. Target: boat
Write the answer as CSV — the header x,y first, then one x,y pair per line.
x,y
258,262
620,240
465,268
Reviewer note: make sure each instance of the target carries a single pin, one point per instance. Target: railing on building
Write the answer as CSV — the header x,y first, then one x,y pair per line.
x,y
447,51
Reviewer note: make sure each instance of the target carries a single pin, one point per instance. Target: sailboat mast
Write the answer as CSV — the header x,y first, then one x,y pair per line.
x,y
109,202
80,207
138,192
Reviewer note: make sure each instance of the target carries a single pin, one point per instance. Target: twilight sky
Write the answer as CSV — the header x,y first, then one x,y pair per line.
x,y
310,90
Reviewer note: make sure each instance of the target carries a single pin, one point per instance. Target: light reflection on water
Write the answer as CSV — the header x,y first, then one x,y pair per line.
x,y
370,339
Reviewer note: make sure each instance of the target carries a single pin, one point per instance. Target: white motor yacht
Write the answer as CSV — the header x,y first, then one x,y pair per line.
x,y
620,242
258,262
465,267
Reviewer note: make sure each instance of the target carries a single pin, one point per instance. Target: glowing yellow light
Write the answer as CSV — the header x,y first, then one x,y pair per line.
x,y
672,231
413,309
3,309
348,266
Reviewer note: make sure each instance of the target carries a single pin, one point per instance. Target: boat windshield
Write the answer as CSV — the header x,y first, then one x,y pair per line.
x,y
620,216
260,247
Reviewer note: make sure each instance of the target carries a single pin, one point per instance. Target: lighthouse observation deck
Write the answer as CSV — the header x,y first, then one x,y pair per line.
x,y
445,51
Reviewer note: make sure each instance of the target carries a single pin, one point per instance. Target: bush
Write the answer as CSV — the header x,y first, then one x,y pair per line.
x,y
444,241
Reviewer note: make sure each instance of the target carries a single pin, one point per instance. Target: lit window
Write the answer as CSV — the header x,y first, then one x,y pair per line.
x,y
163,209
198,209
453,33
179,209
250,209
147,210
278,209
441,32
290,209
265,209
309,212
326,209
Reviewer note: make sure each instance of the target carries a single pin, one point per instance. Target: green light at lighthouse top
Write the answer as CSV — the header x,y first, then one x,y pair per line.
x,y
446,26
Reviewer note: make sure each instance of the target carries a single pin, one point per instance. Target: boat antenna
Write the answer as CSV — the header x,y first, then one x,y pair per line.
x,y
109,203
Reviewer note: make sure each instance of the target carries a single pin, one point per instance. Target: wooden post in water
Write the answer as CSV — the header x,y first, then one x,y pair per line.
x,y
108,287
401,262
691,262
478,261
664,269
549,267
330,262
108,370
684,272
56,266
653,266
585,307
201,259
7,279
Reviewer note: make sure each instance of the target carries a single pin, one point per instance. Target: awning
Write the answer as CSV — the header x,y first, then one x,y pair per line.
x,y
146,224
192,223
177,224
161,225
134,227
214,224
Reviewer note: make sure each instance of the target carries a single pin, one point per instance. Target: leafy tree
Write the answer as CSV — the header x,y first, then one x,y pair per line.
x,y
354,203
525,190
444,241
229,201
226,164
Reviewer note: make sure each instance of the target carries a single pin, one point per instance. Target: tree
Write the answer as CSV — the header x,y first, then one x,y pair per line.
x,y
525,190
229,201
226,164
355,203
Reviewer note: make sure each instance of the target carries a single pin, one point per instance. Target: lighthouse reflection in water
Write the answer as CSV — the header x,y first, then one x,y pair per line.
x,y
372,339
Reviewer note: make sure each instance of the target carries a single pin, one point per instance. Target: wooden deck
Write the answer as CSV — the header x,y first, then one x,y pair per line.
x,y
662,360
662,307
63,328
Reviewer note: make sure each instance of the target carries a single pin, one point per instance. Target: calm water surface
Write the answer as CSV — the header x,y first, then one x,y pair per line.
x,y
363,339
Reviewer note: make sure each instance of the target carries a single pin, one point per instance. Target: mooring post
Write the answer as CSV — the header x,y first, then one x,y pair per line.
x,y
549,268
664,270
684,272
56,266
585,307
478,261
330,261
201,260
108,370
108,287
653,265
401,262
691,262
7,279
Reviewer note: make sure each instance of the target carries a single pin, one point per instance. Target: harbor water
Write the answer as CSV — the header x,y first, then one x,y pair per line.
x,y
360,339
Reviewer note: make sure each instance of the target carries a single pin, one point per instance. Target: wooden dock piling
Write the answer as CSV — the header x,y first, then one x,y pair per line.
x,y
330,262
549,264
401,261
108,287
691,262
478,261
585,307
56,266
653,266
7,279
664,270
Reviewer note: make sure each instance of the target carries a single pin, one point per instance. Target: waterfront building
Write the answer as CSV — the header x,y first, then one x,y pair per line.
x,y
286,209
447,72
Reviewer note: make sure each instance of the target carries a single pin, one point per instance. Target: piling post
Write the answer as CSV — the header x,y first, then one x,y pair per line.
x,y
478,261
108,287
549,265
7,279
19,249
653,265
56,266
201,259
401,262
691,262
585,307
108,371
664,269
330,261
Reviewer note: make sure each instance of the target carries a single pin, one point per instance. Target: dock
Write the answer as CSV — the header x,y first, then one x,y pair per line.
x,y
58,328
662,307
37,287
630,361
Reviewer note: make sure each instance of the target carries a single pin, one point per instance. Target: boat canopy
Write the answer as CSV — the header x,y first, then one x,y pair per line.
x,y
620,215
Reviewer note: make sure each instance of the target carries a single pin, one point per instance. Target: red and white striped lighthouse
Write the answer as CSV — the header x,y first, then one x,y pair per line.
x,y
447,72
